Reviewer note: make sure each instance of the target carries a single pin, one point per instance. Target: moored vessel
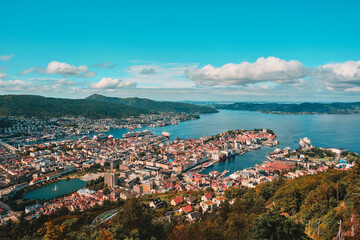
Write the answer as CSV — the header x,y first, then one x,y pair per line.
x,y
165,134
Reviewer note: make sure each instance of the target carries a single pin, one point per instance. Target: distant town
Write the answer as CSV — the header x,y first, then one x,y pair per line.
x,y
140,164
20,130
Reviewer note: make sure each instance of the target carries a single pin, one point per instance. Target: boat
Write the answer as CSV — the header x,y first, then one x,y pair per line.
x,y
305,142
101,136
137,134
165,134
55,188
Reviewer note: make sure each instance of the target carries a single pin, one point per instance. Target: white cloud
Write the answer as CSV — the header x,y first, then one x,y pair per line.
x,y
14,85
263,70
27,71
6,57
66,69
112,83
37,85
62,68
339,76
64,82
127,84
3,75
353,89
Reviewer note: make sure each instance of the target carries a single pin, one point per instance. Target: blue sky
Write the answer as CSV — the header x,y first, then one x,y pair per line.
x,y
182,50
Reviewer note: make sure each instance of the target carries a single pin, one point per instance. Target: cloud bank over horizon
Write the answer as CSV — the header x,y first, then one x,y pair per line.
x,y
334,76
265,78
269,69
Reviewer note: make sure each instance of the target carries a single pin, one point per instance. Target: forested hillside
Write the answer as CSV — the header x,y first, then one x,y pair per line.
x,y
38,106
151,105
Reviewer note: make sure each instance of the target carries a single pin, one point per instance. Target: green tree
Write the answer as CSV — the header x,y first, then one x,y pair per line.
x,y
224,210
133,217
273,226
53,232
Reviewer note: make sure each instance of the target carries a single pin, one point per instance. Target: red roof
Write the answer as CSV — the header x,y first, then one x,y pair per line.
x,y
186,209
208,196
178,200
276,166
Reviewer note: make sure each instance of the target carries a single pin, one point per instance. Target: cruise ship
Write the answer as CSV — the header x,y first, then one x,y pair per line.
x,y
305,142
137,134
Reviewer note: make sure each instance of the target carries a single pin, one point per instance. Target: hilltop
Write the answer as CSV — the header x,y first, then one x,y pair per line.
x,y
38,106
151,105
93,107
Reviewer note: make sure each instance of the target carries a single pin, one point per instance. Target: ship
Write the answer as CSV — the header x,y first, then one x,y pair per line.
x,y
101,136
165,134
304,142
137,134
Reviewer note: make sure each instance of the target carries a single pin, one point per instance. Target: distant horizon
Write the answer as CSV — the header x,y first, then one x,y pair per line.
x,y
183,101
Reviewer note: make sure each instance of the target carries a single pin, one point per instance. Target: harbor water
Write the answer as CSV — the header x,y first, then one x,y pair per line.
x,y
338,131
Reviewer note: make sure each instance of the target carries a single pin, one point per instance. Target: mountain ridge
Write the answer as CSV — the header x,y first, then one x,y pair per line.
x,y
48,107
151,105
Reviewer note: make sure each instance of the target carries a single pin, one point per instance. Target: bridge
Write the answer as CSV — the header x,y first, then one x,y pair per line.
x,y
8,146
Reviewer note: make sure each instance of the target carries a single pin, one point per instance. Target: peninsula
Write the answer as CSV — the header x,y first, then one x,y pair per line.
x,y
293,108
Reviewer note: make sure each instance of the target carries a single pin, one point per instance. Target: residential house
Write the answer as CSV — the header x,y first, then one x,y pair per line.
x,y
219,200
206,197
186,209
193,216
208,206
176,201
157,203
191,200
